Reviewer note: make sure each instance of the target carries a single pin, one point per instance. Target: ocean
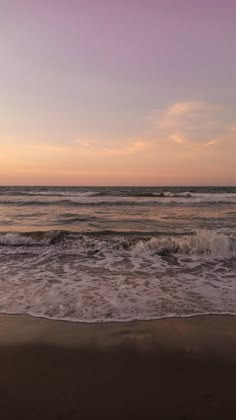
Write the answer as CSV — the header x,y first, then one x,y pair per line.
x,y
96,254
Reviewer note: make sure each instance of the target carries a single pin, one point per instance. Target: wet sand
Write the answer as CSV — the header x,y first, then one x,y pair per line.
x,y
175,369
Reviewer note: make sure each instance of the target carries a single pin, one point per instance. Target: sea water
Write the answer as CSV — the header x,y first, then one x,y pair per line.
x,y
117,253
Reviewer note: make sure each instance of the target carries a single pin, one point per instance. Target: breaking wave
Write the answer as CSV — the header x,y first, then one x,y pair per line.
x,y
90,278
201,242
117,253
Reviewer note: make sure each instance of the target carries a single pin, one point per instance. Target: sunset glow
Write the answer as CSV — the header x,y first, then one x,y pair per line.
x,y
118,93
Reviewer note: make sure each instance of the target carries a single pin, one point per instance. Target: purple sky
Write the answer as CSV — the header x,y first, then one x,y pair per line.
x,y
94,79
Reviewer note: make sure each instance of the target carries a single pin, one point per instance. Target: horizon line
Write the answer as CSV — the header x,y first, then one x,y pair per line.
x,y
121,186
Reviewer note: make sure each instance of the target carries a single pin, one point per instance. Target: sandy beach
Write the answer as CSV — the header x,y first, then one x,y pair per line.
x,y
175,369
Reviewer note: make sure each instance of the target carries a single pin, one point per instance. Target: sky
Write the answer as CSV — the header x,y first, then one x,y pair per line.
x,y
122,92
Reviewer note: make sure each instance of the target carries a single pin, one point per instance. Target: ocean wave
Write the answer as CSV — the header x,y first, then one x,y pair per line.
x,y
119,203
35,193
162,194
31,238
105,198
163,191
64,194
201,242
73,202
108,277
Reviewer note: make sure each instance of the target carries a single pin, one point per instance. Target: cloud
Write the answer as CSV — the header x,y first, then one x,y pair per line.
x,y
130,149
92,148
177,139
210,143
181,109
188,123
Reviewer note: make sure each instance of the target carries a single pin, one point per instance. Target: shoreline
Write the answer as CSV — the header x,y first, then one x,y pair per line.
x,y
167,369
120,321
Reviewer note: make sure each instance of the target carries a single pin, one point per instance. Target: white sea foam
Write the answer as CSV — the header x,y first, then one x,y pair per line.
x,y
203,242
83,278
12,239
117,253
200,242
